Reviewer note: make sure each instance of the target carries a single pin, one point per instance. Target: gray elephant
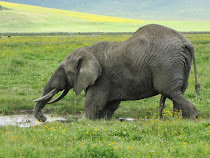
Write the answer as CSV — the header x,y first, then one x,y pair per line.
x,y
155,60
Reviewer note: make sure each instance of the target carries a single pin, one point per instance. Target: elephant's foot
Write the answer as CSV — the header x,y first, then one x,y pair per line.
x,y
39,116
188,109
190,116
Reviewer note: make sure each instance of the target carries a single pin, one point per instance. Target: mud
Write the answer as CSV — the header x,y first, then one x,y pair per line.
x,y
26,120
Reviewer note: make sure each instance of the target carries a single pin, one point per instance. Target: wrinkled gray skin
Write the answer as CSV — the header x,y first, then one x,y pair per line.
x,y
155,60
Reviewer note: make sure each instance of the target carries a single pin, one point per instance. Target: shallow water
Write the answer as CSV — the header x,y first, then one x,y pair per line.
x,y
25,120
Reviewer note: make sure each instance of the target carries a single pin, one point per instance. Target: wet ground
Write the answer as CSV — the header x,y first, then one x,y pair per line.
x,y
26,120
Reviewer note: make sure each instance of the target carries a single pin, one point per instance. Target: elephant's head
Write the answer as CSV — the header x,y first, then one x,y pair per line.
x,y
78,71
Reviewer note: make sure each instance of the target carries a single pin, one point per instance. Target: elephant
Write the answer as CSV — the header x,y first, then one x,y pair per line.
x,y
154,60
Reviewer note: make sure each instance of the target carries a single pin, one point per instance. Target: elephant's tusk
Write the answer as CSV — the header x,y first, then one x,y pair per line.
x,y
47,96
60,97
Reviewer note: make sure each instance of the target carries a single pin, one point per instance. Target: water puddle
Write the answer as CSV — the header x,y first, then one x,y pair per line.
x,y
29,120
26,120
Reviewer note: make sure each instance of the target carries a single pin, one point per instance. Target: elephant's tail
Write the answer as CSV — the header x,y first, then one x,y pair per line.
x,y
192,51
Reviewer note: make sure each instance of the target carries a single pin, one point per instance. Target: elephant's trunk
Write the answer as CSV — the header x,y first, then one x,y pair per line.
x,y
42,101
57,82
45,99
37,111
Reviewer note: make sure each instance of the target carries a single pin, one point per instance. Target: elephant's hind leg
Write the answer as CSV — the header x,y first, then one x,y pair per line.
x,y
181,103
111,107
187,108
172,83
162,105
176,109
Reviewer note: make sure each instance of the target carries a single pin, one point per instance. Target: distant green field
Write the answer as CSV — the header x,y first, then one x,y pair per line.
x,y
26,18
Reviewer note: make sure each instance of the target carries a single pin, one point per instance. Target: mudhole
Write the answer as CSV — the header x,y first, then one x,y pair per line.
x,y
26,120
30,121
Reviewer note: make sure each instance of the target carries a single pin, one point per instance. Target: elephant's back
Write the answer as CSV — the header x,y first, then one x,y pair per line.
x,y
155,31
156,40
158,35
151,46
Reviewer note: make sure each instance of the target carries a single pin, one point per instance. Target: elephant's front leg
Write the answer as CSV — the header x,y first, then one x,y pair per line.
x,y
95,102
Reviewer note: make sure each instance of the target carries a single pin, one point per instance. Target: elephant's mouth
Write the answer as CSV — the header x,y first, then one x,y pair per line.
x,y
51,94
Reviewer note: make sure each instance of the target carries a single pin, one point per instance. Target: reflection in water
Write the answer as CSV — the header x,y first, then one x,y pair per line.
x,y
25,120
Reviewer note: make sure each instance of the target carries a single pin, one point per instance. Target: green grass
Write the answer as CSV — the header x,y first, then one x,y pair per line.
x,y
25,18
26,63
152,138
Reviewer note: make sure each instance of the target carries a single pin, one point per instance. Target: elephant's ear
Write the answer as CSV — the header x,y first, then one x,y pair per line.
x,y
89,69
